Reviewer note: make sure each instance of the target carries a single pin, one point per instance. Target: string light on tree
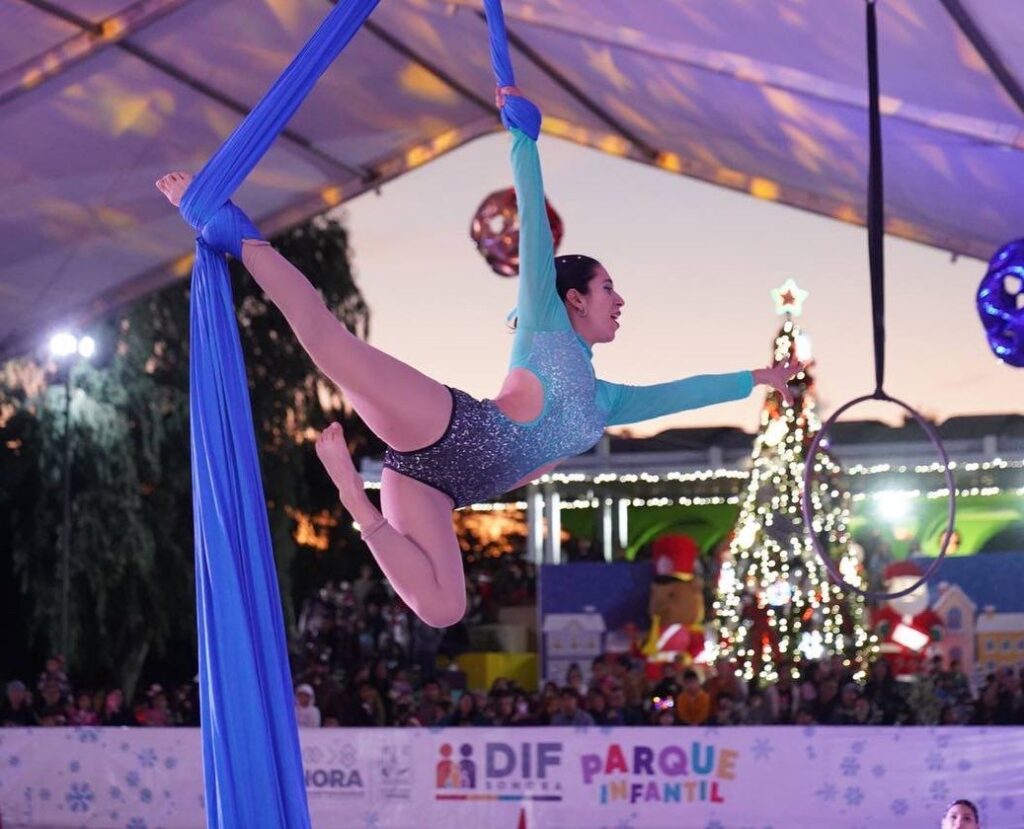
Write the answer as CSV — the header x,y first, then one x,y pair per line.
x,y
773,598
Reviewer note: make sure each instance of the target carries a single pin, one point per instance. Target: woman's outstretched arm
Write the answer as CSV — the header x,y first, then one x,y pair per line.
x,y
631,404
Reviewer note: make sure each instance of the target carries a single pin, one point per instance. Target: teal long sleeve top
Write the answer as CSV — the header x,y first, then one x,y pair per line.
x,y
546,344
484,453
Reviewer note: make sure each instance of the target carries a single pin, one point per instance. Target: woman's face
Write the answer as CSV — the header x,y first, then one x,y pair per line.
x,y
959,816
595,314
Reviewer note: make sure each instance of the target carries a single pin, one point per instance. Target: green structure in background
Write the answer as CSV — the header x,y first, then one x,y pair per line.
x,y
985,523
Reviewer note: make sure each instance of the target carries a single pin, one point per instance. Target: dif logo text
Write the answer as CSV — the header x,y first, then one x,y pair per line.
x,y
498,771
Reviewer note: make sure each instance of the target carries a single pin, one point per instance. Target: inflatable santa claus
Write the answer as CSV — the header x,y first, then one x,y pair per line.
x,y
906,626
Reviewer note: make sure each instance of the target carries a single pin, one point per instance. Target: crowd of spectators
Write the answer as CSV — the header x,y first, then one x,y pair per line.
x,y
53,701
619,692
363,659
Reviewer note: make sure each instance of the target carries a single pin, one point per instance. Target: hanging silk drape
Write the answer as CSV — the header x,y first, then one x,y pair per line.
x,y
251,758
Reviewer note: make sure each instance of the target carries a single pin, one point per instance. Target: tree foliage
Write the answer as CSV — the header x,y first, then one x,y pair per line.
x,y
132,605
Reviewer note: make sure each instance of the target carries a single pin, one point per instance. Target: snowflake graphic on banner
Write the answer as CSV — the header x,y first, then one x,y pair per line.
x,y
79,797
827,792
762,749
849,766
900,807
853,795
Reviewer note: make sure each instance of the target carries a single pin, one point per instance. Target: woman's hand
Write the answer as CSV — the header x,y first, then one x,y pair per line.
x,y
500,92
778,377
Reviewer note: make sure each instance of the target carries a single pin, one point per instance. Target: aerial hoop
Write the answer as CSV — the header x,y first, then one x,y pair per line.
x,y
876,225
806,509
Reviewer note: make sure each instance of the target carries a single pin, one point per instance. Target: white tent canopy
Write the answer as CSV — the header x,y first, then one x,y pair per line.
x,y
98,98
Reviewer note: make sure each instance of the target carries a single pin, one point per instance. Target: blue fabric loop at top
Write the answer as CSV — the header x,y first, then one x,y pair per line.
x,y
518,112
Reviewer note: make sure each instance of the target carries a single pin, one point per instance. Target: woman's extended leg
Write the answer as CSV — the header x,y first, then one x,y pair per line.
x,y
413,540
402,406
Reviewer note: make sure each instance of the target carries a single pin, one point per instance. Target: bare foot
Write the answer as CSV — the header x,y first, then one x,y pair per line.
x,y
174,185
333,452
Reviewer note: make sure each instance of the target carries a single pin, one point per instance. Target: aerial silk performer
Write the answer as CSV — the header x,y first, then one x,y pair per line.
x,y
446,449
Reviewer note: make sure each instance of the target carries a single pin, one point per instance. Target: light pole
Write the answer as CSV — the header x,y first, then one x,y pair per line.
x,y
67,348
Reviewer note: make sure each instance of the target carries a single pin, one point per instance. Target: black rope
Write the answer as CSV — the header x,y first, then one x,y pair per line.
x,y
876,207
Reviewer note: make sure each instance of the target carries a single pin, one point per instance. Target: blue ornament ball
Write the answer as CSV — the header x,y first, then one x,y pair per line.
x,y
1001,303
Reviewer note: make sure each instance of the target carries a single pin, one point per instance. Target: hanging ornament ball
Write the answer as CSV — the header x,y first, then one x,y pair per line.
x,y
1001,303
495,231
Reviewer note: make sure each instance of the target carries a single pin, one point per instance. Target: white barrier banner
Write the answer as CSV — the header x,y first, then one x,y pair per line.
x,y
485,778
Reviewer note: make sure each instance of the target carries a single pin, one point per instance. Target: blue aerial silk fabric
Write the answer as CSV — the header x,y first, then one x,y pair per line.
x,y
251,758
518,112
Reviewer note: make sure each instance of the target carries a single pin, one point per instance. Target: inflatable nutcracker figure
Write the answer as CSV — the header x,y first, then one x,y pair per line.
x,y
676,603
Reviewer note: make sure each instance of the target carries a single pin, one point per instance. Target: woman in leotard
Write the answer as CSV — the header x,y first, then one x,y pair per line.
x,y
447,449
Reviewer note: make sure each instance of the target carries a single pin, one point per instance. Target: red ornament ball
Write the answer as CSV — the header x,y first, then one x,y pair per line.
x,y
495,231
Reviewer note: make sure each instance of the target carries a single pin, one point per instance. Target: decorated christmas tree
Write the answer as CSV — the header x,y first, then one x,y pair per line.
x,y
773,599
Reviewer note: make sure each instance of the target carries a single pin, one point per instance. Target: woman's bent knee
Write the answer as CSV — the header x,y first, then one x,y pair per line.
x,y
443,615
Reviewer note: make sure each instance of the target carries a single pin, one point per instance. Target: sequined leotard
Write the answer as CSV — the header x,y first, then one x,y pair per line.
x,y
484,452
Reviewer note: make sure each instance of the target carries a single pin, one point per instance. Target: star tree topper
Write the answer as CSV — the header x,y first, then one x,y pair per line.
x,y
789,298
